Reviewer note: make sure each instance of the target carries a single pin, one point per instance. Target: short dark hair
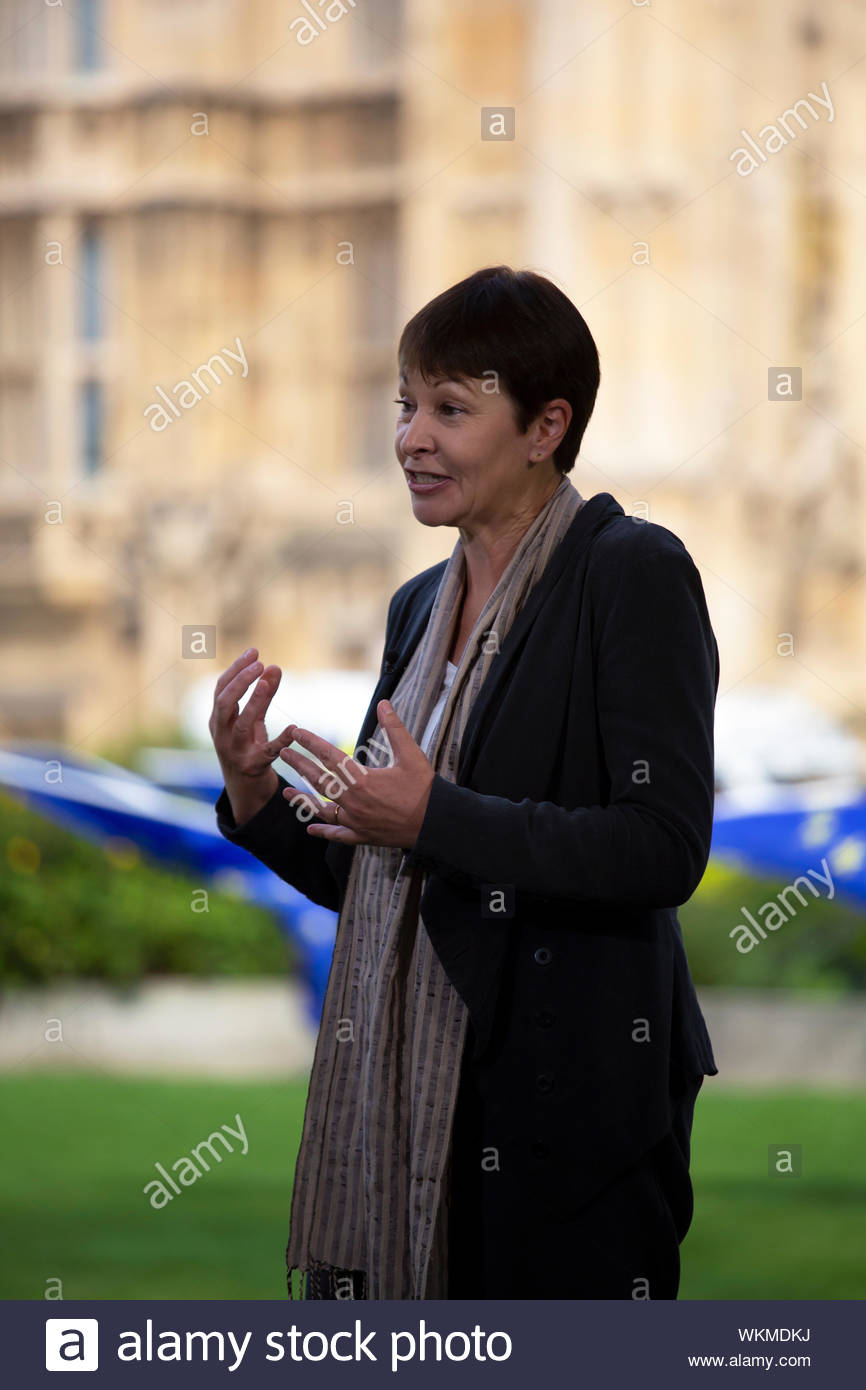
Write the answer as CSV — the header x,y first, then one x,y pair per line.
x,y
521,326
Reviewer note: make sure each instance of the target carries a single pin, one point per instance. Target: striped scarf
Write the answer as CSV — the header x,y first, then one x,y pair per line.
x,y
369,1213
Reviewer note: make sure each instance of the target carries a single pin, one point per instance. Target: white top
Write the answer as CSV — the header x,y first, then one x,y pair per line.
x,y
433,721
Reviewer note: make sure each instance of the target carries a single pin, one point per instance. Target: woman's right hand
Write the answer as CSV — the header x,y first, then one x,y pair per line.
x,y
240,738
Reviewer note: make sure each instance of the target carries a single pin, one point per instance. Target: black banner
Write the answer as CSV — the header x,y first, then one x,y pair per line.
x,y
490,1343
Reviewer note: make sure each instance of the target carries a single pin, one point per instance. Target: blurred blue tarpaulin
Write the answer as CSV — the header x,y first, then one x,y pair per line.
x,y
100,801
785,831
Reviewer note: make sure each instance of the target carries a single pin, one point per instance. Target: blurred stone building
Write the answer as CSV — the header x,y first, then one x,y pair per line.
x,y
183,180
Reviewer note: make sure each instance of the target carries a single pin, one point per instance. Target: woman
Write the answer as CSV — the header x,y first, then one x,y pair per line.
x,y
501,1098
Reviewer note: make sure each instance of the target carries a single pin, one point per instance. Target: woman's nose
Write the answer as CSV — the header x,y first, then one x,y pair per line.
x,y
416,435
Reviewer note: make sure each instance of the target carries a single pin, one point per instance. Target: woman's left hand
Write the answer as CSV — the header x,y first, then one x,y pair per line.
x,y
377,806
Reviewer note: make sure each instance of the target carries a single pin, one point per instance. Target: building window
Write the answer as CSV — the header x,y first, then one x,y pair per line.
x,y
88,40
92,410
90,299
375,417
376,32
374,278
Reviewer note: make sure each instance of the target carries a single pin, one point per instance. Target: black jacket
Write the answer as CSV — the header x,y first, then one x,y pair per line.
x,y
580,819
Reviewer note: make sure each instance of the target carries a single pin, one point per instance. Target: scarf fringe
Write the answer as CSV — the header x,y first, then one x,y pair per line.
x,y
324,1280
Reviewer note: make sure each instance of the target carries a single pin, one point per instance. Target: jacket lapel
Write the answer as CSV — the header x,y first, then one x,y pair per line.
x,y
591,517
338,856
398,655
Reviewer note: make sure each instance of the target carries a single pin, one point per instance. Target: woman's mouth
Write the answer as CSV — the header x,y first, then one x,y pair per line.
x,y
425,482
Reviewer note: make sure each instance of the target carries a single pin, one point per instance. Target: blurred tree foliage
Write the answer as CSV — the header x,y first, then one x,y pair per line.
x,y
71,909
822,945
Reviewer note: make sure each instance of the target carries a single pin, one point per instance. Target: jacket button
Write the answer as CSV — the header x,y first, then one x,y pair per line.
x,y
544,1018
539,1149
544,1081
543,956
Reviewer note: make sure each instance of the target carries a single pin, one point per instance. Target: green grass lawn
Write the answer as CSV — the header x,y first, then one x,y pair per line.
x,y
78,1151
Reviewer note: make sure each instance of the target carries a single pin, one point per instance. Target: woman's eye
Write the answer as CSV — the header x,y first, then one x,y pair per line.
x,y
445,406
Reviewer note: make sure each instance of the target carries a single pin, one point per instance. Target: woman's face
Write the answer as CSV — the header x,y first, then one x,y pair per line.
x,y
467,434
